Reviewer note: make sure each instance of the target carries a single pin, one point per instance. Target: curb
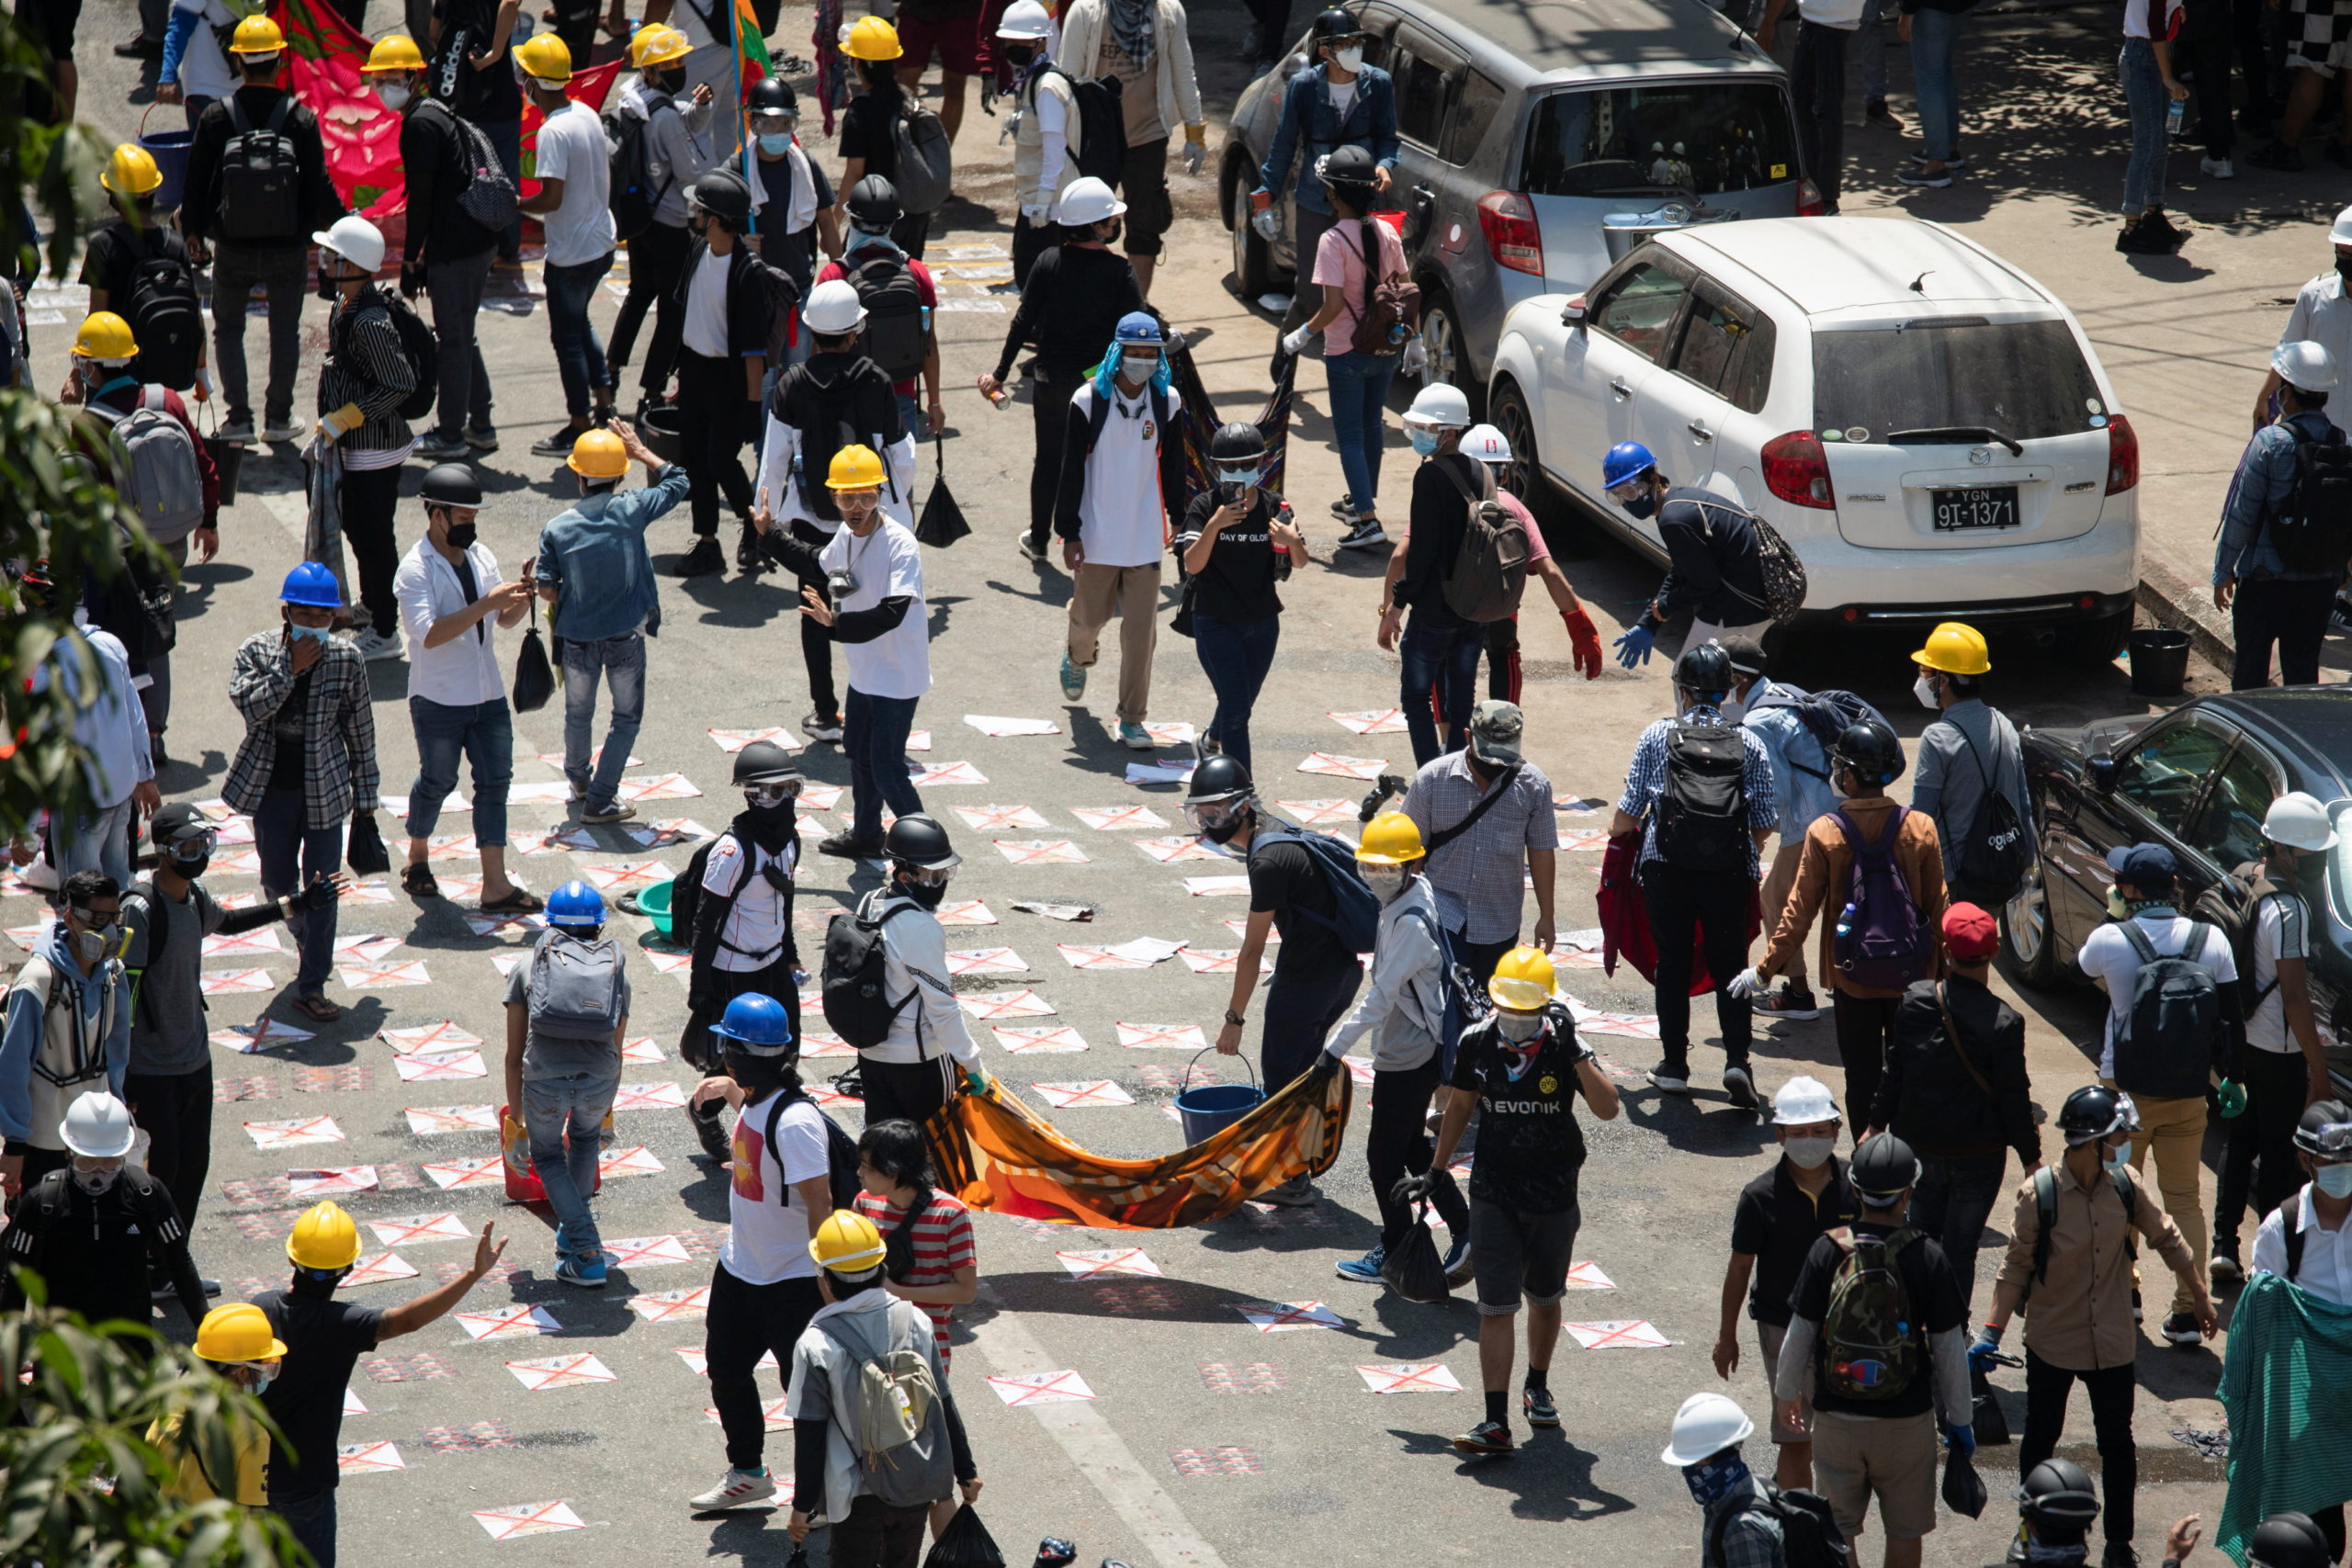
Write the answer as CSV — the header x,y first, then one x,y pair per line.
x,y
2172,600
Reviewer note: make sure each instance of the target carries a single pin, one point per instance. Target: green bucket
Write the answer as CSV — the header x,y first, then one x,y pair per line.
x,y
655,902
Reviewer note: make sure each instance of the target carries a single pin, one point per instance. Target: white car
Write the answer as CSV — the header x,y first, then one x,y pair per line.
x,y
1926,425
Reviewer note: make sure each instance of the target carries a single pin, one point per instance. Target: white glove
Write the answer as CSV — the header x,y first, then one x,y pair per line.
x,y
1266,223
1195,154
1040,213
1297,340
1745,984
1012,127
1416,358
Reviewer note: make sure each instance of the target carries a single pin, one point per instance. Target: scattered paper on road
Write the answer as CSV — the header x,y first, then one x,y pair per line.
x,y
1036,1040
999,725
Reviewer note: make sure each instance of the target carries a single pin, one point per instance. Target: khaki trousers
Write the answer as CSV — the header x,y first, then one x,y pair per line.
x,y
1133,592
2176,1129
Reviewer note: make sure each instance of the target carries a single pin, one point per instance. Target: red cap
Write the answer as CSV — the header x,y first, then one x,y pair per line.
x,y
1970,933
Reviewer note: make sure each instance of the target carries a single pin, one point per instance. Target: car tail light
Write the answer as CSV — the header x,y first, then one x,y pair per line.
x,y
1513,238
1797,470
1809,202
2123,455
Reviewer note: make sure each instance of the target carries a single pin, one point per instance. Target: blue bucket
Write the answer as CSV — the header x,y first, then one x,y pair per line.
x,y
1211,1109
170,150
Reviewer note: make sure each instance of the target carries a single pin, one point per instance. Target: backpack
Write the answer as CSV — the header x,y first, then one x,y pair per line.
x,y
88,1062
1809,1534
422,349
893,336
137,607
1463,996
167,319
2235,904
2291,1219
1869,1347
1489,570
926,166
857,1002
1702,804
1391,304
576,987
260,177
157,476
629,154
1881,942
899,1432
1784,580
1356,917
1991,851
2312,530
2045,1204
1826,715
1100,146
840,1150
489,197
692,904
2169,1036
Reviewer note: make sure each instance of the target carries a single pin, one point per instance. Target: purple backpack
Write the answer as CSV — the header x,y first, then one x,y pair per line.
x,y
1881,943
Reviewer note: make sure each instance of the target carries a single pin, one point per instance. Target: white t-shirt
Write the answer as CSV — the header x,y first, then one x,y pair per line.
x,y
768,1226
2282,930
2322,315
754,936
1120,518
1343,94
571,149
705,327
2109,957
1843,14
887,563
204,70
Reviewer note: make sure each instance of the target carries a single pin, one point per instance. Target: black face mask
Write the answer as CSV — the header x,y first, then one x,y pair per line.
x,y
1020,54
1223,831
2344,266
926,895
670,81
461,535
1642,504
1112,236
330,287
191,869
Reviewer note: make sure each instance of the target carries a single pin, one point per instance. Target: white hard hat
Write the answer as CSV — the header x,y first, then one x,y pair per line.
x,y
99,1126
1025,20
1705,1425
1087,200
834,308
1487,443
2299,821
1440,405
2307,367
1801,1101
355,240
2340,233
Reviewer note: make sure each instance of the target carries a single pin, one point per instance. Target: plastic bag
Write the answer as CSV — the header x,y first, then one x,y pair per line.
x,y
941,522
1413,1268
534,677
1991,1423
965,1543
364,851
1963,1488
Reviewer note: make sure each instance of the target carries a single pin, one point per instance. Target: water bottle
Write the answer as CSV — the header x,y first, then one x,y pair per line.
x,y
1281,551
1846,923
2175,115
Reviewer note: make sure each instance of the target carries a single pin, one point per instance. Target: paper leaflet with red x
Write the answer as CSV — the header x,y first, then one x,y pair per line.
x,y
658,786
637,1161
1319,813
230,982
1118,819
560,1372
516,1320
528,1518
442,1036
1365,768
1006,1004
966,912
427,1121
1435,1378
1108,1262
1283,1318
1040,852
1040,1388
649,1096
1589,1276
1634,1334
1072,1096
673,1306
986,960
383,977
1161,1036
484,1172
242,944
734,741
994,818
287,1134
1178,846
621,878
411,1229
381,1269
1038,1039
368,1459
772,1419
1373,721
645,1251
424,1066
928,774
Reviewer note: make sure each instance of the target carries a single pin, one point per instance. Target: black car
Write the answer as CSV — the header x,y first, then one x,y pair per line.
x,y
2199,781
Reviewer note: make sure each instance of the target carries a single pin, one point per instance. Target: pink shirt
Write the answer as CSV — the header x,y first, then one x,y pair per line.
x,y
1338,259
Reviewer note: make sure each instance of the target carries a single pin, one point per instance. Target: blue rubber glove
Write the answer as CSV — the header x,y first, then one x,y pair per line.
x,y
1982,1354
1962,1440
1633,648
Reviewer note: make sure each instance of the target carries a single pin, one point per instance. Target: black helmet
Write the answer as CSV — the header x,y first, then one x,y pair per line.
x,y
1883,1167
1220,777
1704,670
1239,442
2058,1502
2325,1130
919,842
451,484
773,94
1333,22
766,762
2096,1111
1351,168
874,203
1871,749
2289,1541
723,195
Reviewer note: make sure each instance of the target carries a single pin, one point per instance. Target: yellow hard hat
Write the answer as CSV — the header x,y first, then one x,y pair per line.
x,y
1523,979
846,1242
257,34
131,171
323,1238
871,38
854,467
544,56
1954,648
597,455
238,1331
105,336
658,45
394,51
1390,838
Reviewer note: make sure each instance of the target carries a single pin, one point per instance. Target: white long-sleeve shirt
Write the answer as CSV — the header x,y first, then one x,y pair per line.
x,y
2327,1254
1404,1008
914,965
111,723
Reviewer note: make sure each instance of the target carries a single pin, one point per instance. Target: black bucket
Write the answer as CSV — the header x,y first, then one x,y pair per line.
x,y
663,432
2159,662
228,462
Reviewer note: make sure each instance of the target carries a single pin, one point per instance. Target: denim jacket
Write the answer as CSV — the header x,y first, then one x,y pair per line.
x,y
593,556
2266,477
1310,125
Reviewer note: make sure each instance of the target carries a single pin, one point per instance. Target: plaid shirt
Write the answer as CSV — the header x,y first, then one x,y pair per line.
x,y
1751,1539
1646,777
339,772
1482,868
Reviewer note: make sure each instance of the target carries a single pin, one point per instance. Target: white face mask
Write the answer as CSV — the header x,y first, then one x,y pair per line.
x,y
394,95
1732,710
1924,688
1138,366
1809,1154
1387,882
1347,59
2336,1181
1518,1027
96,1182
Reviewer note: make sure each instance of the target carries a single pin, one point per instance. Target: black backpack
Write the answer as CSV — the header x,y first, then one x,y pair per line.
x,y
165,316
2235,905
488,196
2045,1205
137,607
1703,806
422,349
261,178
840,1150
857,1001
2312,530
1993,849
1355,911
1809,1534
1102,125
2169,1037
894,337
829,421
628,147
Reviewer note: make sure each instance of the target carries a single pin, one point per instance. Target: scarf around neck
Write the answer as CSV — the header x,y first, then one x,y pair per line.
x,y
1132,29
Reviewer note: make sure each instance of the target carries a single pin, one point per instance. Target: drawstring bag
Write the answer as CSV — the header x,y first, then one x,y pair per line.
x,y
534,677
941,522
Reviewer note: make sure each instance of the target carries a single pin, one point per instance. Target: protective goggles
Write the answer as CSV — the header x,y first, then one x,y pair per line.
x,y
96,919
1207,814
926,875
772,794
193,846
1626,492
2126,1120
2330,1141
857,502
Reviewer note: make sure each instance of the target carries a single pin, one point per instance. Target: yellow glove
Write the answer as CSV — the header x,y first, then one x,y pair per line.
x,y
1196,149
342,422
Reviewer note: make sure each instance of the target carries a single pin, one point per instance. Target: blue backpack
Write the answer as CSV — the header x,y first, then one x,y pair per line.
x,y
1356,917
1465,1001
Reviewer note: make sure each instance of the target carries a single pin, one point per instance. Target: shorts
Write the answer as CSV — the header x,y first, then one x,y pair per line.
x,y
1770,1336
1516,1256
955,37
1891,1458
1143,185
2315,41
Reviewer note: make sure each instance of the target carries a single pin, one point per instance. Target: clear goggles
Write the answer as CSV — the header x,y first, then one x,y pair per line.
x,y
926,875
1626,492
193,846
96,919
2330,1141
1210,814
772,794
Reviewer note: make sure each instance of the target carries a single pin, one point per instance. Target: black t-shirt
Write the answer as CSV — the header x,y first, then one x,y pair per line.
x,y
51,24
795,256
486,97
1776,1223
1936,1303
869,131
1438,518
1237,582
1284,879
287,728
1529,1144
324,1339
115,252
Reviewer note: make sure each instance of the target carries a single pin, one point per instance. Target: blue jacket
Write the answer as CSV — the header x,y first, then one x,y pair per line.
x,y
2266,477
1799,767
595,558
1311,125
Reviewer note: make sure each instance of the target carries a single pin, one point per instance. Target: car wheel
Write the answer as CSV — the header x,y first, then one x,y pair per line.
x,y
1448,360
1524,476
2029,946
2094,642
1253,261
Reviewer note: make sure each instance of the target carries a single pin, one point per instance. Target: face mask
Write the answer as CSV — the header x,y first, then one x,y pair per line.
x,y
2115,1161
1732,710
95,1182
316,634
2344,266
192,869
1109,232
1424,441
262,1380
671,81
926,895
90,946
1518,1027
1924,688
1221,833
1020,54
394,95
1809,1154
461,535
1714,1479
1387,882
1240,477
1641,503
1347,59
775,146
2117,910
2336,1181
1139,367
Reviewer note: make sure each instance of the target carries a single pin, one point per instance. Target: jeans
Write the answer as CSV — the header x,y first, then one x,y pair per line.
x,y
506,141
1300,1010
622,661
714,415
1954,1196
484,733
1358,384
312,1521
2262,1134
100,842
1686,907
456,289
2144,91
910,415
655,259
1049,395
1934,40
2217,30
1817,81
292,857
873,734
281,271
2288,611
175,1109
565,1119
1234,656
1861,1024
1870,43
371,497
2047,1390
1399,1145
744,1321
1440,662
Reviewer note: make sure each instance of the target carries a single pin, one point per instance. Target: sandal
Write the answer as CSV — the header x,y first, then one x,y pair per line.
x,y
318,1009
518,901
418,883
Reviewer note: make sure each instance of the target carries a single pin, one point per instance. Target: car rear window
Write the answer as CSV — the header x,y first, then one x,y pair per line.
x,y
2022,379
1732,135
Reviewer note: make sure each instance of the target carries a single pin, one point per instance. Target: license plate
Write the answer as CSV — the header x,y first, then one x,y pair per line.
x,y
1980,506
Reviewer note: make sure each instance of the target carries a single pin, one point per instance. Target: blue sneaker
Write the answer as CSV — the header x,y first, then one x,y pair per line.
x,y
1135,737
1364,1271
583,1268
1073,681
1457,1262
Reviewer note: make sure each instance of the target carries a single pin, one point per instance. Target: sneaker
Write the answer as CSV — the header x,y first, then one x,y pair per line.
x,y
1485,1438
705,560
2220,168
1033,551
1457,1262
611,811
817,726
374,645
1789,1002
1298,1193
1364,536
439,448
161,1288
1537,1404
583,1268
2222,1269
2279,156
279,427
483,438
1133,737
711,1132
141,46
1740,1085
1073,681
849,846
2144,241
1670,1078
1932,179
560,444
239,431
1364,1271
1344,510
2180,1328
2339,618
736,1489
2135,1304
1876,111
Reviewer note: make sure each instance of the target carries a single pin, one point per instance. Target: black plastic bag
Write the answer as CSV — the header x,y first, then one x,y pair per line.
x,y
364,851
941,522
1414,1268
965,1543
1963,1488
534,677
1992,1423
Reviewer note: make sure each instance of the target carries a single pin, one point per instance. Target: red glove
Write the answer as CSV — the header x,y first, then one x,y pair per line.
x,y
1584,642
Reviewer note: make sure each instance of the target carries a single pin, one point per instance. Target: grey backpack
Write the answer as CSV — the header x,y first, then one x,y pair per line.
x,y
575,989
898,1422
2169,1040
158,477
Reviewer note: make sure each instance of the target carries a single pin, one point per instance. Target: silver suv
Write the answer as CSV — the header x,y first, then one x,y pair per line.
x,y
1541,143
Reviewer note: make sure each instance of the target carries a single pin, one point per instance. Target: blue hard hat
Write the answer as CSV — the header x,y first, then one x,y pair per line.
x,y
1626,460
755,1020
1140,327
575,904
311,583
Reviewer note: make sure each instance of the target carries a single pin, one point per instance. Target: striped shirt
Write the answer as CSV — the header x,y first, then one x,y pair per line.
x,y
942,1244
2282,930
365,366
